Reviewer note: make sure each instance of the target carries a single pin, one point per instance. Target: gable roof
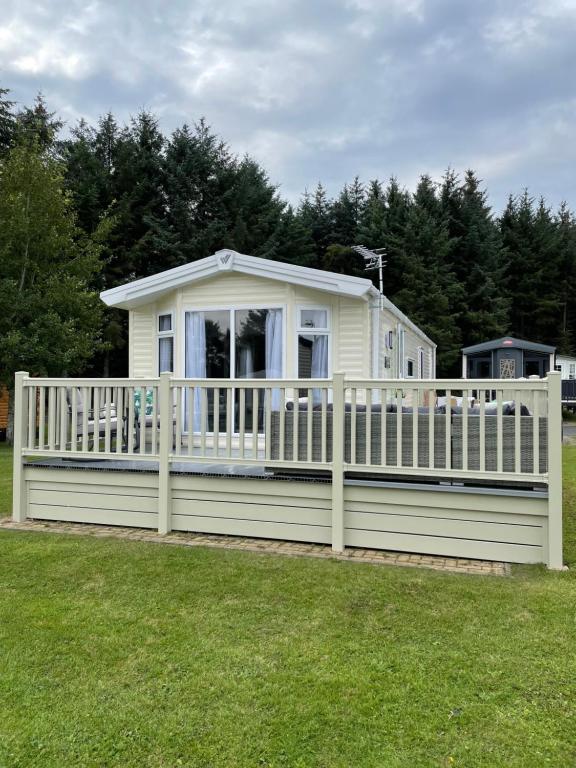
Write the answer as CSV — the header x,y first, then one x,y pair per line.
x,y
508,342
148,289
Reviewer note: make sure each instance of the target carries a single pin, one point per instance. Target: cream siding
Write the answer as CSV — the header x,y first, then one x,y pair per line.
x,y
234,289
351,337
412,343
142,353
354,354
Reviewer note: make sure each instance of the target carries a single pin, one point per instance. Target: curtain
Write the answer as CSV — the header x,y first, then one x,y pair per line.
x,y
320,357
319,364
165,353
195,358
246,363
274,351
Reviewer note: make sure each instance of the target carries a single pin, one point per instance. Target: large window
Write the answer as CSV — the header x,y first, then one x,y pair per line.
x,y
313,343
166,343
240,343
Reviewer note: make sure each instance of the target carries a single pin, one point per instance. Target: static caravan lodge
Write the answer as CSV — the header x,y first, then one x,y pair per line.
x,y
275,401
236,316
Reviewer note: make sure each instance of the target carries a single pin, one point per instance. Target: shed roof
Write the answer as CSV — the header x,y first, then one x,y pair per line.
x,y
509,342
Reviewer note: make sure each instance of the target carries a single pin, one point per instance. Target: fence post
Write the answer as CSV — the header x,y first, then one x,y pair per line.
x,y
554,554
338,410
19,501
164,500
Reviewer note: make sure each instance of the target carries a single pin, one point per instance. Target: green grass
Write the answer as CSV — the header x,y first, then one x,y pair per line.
x,y
116,653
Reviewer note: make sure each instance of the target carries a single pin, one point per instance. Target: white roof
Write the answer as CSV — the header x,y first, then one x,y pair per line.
x,y
148,289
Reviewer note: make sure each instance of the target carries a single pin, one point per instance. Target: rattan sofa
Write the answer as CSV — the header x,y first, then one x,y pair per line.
x,y
377,444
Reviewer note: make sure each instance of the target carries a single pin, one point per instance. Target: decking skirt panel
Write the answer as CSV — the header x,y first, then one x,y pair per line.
x,y
467,524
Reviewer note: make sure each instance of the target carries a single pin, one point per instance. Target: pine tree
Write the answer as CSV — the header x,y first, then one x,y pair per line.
x,y
524,272
566,244
430,292
315,214
140,242
478,258
255,211
37,124
346,213
7,121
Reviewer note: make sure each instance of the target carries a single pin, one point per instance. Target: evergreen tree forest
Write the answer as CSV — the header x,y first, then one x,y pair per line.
x,y
146,202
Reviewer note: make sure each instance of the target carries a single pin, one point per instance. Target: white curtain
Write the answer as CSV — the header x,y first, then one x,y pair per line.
x,y
319,364
165,353
320,357
246,363
274,351
196,357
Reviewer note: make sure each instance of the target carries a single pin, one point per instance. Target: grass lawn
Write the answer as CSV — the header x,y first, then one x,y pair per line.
x,y
118,653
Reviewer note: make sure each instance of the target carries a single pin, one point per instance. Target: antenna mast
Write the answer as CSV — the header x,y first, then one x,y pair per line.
x,y
374,260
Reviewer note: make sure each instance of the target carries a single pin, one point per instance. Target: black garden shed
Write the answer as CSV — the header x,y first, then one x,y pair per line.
x,y
507,358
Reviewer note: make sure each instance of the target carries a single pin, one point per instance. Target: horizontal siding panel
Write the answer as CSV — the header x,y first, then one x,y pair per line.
x,y
474,515
93,515
352,355
231,289
91,500
140,483
143,341
251,498
446,500
230,509
438,526
458,548
182,484
256,529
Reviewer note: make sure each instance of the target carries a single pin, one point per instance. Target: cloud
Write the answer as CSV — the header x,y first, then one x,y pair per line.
x,y
323,90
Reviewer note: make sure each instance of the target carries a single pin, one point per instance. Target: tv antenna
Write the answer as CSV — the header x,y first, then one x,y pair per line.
x,y
374,260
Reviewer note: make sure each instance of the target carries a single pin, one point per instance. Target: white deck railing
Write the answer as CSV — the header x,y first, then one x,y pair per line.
x,y
498,431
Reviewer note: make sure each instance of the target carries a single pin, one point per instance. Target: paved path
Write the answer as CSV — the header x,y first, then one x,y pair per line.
x,y
265,546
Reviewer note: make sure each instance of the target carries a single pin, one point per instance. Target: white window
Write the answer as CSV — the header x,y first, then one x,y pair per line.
x,y
313,335
234,343
409,368
166,343
572,371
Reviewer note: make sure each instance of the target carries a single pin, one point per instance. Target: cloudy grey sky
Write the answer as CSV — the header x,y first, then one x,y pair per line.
x,y
322,89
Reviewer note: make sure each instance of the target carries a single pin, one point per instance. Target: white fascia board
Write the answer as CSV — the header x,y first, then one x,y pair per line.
x,y
149,288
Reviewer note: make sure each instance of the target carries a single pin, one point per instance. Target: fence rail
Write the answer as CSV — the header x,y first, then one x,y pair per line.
x,y
492,431
472,428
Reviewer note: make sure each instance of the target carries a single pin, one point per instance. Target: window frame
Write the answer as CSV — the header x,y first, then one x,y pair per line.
x,y
304,331
410,360
165,335
231,309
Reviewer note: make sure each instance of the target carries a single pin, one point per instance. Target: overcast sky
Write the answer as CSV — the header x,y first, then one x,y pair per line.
x,y
322,89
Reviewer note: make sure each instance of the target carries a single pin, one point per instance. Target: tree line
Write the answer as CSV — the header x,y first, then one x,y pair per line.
x,y
109,203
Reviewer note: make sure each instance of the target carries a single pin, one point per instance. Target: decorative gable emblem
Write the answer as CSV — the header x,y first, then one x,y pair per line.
x,y
225,260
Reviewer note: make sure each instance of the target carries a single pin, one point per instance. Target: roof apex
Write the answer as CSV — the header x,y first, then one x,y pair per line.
x,y
147,289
